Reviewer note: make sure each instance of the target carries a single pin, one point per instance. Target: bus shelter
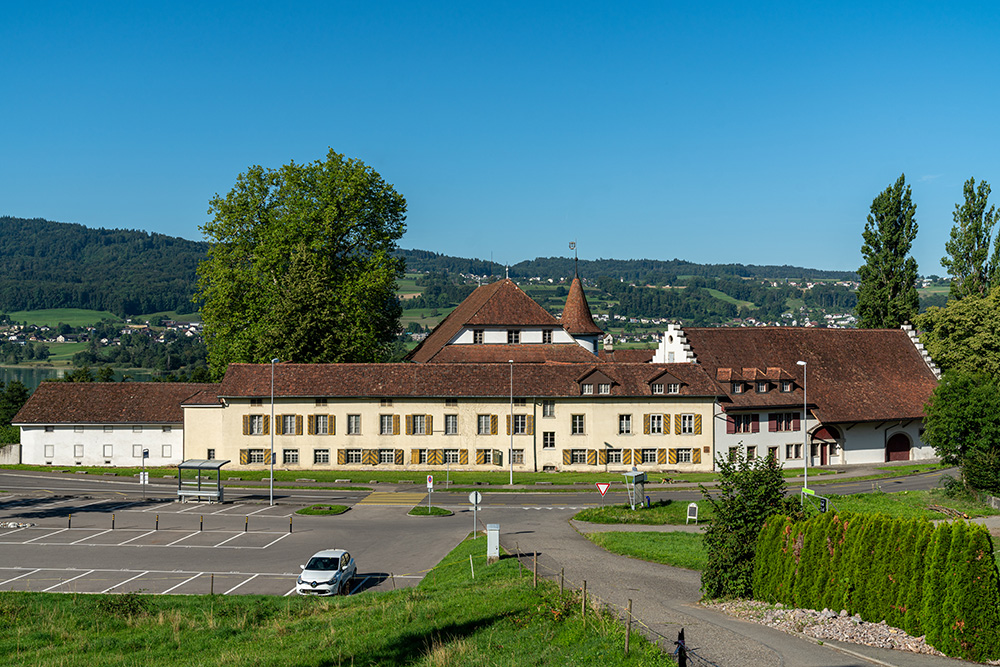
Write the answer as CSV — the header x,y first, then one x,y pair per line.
x,y
200,478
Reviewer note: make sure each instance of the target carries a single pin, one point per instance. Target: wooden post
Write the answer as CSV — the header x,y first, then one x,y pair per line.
x,y
628,625
112,521
583,603
562,579
246,525
211,586
289,525
534,581
157,522
201,526
69,521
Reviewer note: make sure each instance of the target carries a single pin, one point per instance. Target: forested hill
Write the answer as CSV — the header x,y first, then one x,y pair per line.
x,y
649,271
46,264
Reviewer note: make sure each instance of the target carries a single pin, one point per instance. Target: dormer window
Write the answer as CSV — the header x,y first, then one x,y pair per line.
x,y
477,336
588,389
513,336
673,388
547,336
604,388
657,387
761,387
737,387
786,386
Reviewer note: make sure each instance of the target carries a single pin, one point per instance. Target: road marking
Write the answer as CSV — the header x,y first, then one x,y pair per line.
x,y
407,498
106,590
182,583
149,532
263,509
283,536
289,592
188,509
227,540
180,539
226,508
61,530
67,581
26,574
90,536
245,581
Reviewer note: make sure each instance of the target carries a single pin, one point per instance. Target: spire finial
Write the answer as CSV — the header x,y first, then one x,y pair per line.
x,y
507,272
576,271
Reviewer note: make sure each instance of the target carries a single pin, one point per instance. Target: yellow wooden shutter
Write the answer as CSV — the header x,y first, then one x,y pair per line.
x,y
399,457
602,457
661,456
435,457
666,423
592,457
507,417
409,424
636,456
395,424
627,456
414,456
494,424
311,424
298,424
673,457
697,424
246,424
531,425
567,457
267,457
331,421
677,424
696,455
428,425
244,457
267,424
341,457
480,456
369,457
645,424
463,457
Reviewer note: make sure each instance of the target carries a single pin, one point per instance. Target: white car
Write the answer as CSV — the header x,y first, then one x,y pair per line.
x,y
328,572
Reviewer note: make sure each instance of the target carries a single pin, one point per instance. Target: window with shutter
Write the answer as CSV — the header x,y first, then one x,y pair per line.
x,y
730,425
697,424
507,417
645,424
341,457
409,424
772,422
531,425
696,456
395,424
246,426
463,457
244,457
298,424
627,456
567,457
414,456
480,457
602,457
399,457
673,457
755,423
494,424
428,424
661,456
592,457
332,424
311,425
677,424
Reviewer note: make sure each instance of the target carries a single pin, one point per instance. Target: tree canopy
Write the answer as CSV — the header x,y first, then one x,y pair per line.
x,y
969,261
300,265
965,334
963,416
887,296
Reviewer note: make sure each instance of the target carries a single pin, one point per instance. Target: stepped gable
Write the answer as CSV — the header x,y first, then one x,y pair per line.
x,y
498,304
854,375
422,381
576,317
109,402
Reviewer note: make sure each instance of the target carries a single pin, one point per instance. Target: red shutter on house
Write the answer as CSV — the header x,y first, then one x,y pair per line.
x,y
730,425
755,423
796,422
772,422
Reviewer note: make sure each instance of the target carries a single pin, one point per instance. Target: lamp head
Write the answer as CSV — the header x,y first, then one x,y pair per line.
x,y
276,360
801,363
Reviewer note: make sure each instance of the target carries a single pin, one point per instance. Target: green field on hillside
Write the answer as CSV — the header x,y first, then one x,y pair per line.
x,y
75,317
722,296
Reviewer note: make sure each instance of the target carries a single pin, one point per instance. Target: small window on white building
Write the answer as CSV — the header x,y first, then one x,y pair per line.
x,y
546,336
78,451
657,387
604,388
166,451
548,408
387,456
50,429
137,451
673,388
588,389
50,451
108,450
322,456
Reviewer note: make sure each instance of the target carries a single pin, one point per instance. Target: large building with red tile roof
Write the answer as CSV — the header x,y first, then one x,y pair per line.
x,y
105,423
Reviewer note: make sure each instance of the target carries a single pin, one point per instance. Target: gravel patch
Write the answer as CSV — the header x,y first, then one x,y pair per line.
x,y
826,624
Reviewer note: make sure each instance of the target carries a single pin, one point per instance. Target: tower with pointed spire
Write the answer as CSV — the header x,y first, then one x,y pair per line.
x,y
576,318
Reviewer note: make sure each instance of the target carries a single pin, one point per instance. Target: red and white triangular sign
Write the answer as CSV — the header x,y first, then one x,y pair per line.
x,y
603,487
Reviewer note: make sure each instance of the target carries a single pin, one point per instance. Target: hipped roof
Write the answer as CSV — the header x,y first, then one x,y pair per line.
x,y
108,402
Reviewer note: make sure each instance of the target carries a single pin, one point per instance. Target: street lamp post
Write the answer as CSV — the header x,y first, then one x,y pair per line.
x,y
273,425
510,452
805,438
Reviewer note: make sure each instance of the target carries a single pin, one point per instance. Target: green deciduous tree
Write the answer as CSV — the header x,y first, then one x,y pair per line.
x,y
969,262
300,265
965,334
888,296
963,415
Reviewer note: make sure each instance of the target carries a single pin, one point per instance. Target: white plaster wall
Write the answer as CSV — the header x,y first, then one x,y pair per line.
x,y
63,440
673,348
499,336
865,443
762,439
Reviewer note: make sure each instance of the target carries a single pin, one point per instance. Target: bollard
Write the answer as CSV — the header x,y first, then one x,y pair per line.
x,y
628,625
112,521
157,522
562,579
201,526
534,580
682,654
246,525
583,603
289,525
69,521
211,585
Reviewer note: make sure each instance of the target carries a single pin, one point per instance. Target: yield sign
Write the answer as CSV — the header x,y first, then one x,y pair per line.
x,y
603,487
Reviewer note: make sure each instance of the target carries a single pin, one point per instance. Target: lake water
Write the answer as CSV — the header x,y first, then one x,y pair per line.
x,y
32,377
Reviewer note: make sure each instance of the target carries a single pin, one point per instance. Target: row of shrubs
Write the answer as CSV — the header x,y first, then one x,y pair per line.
x,y
939,581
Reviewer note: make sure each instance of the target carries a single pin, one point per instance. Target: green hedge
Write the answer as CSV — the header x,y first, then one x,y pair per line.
x,y
939,581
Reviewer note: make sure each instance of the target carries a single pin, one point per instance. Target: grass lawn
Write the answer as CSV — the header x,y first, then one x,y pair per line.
x,y
722,296
323,510
662,512
685,550
62,353
75,317
907,504
449,619
424,510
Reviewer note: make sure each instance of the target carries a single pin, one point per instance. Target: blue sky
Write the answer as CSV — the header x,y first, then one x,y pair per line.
x,y
710,131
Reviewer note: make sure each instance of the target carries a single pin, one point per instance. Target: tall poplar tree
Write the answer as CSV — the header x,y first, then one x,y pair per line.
x,y
301,266
969,262
887,296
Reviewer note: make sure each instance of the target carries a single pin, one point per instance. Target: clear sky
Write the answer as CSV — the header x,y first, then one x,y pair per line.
x,y
708,131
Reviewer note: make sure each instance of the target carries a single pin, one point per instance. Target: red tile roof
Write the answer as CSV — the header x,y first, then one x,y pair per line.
x,y
853,374
636,356
108,402
450,380
576,317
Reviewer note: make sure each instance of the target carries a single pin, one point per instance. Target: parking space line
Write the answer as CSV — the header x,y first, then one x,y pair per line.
x,y
26,574
124,582
93,502
283,536
289,592
179,539
148,532
182,583
262,509
61,530
90,536
245,581
227,508
230,539
16,530
67,581
188,509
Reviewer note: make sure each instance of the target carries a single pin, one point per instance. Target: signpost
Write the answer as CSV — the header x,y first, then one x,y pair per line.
x,y
475,498
430,490
603,488
144,476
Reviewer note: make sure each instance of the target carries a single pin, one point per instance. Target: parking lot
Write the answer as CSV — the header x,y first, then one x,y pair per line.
x,y
106,545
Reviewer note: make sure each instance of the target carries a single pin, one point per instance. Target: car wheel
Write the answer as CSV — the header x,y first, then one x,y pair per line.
x,y
345,587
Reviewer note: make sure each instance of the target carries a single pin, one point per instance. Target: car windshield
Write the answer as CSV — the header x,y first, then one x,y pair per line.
x,y
322,563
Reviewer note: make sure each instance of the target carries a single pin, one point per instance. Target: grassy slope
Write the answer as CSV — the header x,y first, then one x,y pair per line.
x,y
75,317
450,619
685,550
